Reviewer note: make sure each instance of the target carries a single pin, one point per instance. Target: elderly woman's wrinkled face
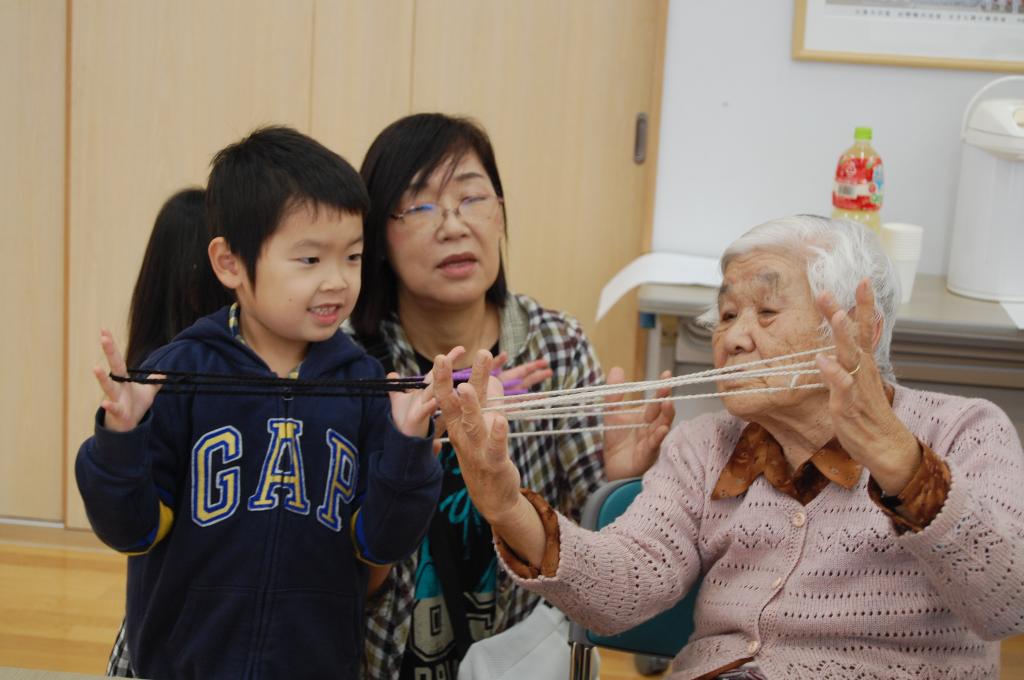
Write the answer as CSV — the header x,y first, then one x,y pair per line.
x,y
765,309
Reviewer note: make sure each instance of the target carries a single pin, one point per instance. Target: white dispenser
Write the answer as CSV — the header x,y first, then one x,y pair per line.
x,y
986,257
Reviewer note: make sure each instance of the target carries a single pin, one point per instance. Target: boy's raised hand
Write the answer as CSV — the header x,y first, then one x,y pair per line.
x,y
125,403
411,410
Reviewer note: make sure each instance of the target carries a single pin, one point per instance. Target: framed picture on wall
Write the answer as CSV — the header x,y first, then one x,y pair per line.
x,y
984,35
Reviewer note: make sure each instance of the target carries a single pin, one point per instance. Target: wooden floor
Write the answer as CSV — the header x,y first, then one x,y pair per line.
x,y
62,599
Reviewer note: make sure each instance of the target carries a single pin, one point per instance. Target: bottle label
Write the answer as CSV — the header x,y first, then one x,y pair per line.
x,y
859,184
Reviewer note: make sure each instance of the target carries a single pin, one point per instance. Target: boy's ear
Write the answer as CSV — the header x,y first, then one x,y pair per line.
x,y
226,266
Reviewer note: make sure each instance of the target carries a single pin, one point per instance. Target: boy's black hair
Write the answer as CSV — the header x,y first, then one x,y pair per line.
x,y
176,284
256,181
408,150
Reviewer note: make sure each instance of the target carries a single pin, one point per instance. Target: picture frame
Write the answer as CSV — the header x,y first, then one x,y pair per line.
x,y
982,35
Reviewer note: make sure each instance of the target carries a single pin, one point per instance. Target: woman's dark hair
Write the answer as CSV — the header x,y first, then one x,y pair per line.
x,y
409,149
176,283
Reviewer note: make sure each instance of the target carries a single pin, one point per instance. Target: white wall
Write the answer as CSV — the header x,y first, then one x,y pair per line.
x,y
749,134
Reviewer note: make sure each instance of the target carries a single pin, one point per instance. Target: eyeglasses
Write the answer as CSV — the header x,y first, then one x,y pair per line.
x,y
474,211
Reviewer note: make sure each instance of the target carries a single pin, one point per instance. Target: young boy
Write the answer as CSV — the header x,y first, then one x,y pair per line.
x,y
251,519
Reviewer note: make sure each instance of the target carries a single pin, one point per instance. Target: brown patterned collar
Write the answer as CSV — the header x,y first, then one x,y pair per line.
x,y
757,452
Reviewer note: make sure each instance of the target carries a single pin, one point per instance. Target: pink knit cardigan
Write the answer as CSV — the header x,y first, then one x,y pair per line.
x,y
827,590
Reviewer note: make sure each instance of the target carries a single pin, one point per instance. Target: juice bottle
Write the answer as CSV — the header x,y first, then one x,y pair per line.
x,y
859,186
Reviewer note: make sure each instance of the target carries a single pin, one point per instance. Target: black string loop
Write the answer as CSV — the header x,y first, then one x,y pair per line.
x,y
227,384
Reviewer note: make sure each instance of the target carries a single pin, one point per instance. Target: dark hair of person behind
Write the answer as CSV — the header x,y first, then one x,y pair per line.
x,y
407,151
176,285
256,181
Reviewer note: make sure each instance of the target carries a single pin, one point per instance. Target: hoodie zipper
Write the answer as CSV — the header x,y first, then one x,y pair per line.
x,y
270,560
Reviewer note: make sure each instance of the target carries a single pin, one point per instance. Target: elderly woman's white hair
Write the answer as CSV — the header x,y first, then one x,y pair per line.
x,y
839,253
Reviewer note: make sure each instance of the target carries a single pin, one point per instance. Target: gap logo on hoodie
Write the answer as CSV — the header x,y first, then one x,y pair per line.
x,y
216,478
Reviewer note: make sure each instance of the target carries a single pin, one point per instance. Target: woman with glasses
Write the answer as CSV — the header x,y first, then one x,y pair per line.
x,y
434,278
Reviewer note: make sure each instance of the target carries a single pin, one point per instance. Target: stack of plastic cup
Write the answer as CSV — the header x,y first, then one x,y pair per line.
x,y
902,243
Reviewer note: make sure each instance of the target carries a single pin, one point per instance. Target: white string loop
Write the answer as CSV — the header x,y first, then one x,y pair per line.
x,y
582,403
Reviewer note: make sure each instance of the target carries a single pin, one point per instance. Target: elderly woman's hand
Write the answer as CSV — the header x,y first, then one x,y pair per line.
x,y
481,444
862,419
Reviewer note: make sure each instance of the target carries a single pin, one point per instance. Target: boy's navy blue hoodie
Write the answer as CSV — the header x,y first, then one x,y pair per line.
x,y
254,515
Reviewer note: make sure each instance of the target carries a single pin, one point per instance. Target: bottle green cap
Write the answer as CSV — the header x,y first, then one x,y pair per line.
x,y
862,133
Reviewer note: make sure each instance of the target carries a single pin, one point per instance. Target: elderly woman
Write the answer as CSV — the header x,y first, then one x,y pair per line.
x,y
861,530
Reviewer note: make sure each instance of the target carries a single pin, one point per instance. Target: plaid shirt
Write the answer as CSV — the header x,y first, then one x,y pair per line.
x,y
564,469
120,664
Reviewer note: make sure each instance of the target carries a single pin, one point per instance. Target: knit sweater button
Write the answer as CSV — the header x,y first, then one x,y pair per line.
x,y
753,646
777,582
799,519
